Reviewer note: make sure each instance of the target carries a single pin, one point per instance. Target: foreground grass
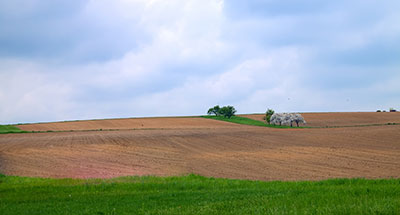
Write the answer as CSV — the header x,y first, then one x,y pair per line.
x,y
246,121
196,195
5,129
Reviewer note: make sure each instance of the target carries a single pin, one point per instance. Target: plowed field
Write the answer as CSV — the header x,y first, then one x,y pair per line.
x,y
206,147
342,119
131,123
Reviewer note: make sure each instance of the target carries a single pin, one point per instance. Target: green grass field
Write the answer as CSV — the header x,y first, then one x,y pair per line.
x,y
246,121
5,129
195,194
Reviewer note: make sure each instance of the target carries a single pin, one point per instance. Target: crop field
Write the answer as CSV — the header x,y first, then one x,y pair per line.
x,y
350,167
127,124
207,147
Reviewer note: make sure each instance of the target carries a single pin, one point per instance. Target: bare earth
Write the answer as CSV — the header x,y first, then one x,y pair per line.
x,y
131,123
206,147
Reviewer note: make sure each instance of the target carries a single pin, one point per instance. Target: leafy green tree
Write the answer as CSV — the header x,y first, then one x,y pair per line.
x,y
268,115
228,111
214,110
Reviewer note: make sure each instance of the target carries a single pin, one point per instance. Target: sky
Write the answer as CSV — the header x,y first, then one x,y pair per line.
x,y
88,59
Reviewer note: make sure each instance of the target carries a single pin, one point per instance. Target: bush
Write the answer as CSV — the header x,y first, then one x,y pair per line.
x,y
268,115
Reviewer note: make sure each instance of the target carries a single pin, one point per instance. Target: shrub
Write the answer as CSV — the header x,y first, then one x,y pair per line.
x,y
268,115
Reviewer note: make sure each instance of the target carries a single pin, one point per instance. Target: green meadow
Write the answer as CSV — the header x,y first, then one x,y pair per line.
x,y
193,194
5,129
246,121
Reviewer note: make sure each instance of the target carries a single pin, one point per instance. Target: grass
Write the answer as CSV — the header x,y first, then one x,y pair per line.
x,y
246,121
195,194
6,129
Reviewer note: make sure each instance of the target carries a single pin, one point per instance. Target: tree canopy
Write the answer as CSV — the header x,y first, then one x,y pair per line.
x,y
214,110
287,119
226,111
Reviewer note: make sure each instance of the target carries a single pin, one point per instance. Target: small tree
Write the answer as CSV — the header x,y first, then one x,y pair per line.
x,y
268,115
228,111
276,118
287,119
214,110
297,118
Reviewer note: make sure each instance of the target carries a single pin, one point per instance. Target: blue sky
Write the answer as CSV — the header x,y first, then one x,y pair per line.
x,y
64,60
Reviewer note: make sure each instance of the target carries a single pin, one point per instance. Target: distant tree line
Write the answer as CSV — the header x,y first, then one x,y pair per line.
x,y
390,110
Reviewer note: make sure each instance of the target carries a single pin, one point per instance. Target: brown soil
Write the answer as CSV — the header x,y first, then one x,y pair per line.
x,y
216,149
342,119
131,123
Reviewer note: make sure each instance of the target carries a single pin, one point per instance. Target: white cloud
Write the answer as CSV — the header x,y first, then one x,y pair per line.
x,y
142,58
27,94
181,31
272,73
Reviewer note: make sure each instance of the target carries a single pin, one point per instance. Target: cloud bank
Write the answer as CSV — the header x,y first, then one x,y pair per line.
x,y
131,58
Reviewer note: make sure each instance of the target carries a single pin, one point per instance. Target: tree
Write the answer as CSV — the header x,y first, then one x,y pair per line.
x,y
214,110
277,118
298,119
287,119
228,111
268,115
